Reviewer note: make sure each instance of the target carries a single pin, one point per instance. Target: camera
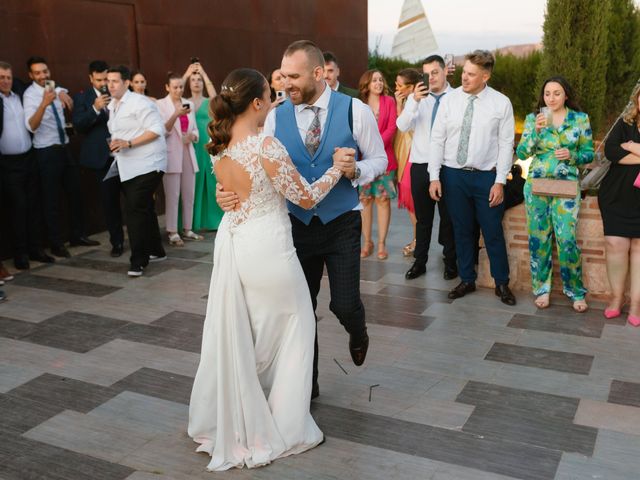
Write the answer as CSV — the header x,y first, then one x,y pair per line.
x,y
280,94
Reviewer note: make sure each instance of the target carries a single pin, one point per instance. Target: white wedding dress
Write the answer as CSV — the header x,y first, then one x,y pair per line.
x,y
251,394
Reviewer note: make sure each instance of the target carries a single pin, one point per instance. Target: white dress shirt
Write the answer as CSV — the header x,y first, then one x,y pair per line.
x,y
491,137
373,160
46,134
15,137
416,116
129,118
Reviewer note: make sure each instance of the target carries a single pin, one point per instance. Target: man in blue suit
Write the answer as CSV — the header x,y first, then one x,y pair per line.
x,y
90,117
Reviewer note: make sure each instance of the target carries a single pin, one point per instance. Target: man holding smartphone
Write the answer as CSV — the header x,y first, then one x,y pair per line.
x,y
90,117
44,106
420,114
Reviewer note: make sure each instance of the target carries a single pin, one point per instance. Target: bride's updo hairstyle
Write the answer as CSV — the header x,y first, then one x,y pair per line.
x,y
238,90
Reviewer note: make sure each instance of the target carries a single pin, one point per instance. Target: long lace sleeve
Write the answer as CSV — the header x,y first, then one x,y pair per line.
x,y
288,182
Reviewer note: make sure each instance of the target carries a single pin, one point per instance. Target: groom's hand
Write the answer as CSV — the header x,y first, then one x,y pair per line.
x,y
345,159
227,201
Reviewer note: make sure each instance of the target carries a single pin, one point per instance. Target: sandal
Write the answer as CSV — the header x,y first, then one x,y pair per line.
x,y
542,301
366,250
409,248
191,235
175,240
382,254
580,306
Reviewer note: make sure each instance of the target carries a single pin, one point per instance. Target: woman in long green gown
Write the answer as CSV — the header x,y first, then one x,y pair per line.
x,y
206,213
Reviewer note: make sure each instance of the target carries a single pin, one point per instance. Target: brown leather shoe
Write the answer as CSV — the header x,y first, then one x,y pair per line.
x,y
461,290
358,348
505,294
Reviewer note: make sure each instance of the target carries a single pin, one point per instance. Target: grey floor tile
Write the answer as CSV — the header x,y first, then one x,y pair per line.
x,y
162,336
12,375
11,328
22,414
488,454
625,393
619,418
75,331
63,392
156,383
541,358
182,321
66,286
38,461
569,325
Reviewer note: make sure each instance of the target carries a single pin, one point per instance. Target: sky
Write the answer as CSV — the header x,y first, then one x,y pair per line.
x,y
461,26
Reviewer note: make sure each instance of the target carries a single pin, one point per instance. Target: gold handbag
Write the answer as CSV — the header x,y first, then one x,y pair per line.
x,y
550,187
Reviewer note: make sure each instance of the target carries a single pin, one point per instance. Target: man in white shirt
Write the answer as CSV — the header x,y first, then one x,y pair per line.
x,y
471,153
44,117
420,114
137,141
313,121
19,176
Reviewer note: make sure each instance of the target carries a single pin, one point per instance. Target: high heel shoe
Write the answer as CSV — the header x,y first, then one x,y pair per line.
x,y
409,248
366,250
633,320
383,254
610,313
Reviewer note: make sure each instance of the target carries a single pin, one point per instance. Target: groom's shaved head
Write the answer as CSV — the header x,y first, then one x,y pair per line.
x,y
313,53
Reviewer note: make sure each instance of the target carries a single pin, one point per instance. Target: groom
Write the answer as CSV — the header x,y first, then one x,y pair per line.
x,y
311,124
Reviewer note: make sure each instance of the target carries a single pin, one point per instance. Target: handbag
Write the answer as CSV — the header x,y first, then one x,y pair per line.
x,y
593,179
636,182
551,187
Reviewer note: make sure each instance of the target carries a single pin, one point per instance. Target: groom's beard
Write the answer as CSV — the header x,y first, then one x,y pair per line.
x,y
305,94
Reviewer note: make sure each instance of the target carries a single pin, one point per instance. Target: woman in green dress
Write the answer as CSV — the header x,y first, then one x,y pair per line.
x,y
206,213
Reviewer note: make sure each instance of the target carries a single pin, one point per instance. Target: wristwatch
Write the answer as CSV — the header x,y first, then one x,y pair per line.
x,y
357,174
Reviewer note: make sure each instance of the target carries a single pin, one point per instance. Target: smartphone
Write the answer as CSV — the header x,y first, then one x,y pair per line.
x,y
104,90
425,79
280,94
186,105
195,60
448,60
49,85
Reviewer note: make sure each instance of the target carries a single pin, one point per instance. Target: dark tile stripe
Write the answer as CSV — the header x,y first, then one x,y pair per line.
x,y
624,393
490,395
19,414
569,325
428,295
540,358
74,287
31,460
515,459
157,383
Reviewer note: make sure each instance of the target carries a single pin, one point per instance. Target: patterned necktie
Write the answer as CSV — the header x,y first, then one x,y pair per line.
x,y
465,131
58,123
312,140
434,112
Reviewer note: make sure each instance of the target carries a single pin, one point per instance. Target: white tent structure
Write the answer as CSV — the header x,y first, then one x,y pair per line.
x,y
414,39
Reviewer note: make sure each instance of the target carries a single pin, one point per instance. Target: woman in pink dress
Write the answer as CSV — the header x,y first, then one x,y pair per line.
x,y
374,91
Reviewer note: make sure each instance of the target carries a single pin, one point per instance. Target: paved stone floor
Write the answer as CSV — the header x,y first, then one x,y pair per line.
x,y
96,371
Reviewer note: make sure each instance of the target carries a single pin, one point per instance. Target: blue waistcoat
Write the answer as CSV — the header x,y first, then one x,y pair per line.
x,y
336,133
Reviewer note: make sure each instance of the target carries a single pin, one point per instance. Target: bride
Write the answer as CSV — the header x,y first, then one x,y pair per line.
x,y
251,394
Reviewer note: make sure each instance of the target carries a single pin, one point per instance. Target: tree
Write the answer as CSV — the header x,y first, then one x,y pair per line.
x,y
576,46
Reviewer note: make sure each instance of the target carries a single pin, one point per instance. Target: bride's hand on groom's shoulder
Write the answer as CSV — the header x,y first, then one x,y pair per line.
x,y
227,201
344,159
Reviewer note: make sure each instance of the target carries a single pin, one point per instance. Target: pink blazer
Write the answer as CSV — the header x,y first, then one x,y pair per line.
x,y
175,147
387,126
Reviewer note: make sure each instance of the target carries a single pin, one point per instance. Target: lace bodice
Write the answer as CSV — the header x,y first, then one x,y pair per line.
x,y
273,178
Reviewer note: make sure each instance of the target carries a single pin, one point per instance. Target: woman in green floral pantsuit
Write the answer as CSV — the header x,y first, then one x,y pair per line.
x,y
558,148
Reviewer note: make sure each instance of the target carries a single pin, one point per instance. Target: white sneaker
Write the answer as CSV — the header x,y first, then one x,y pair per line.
x,y
135,271
156,258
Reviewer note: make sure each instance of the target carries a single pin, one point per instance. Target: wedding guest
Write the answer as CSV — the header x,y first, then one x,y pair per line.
x,y
472,153
139,84
619,200
374,91
90,117
137,141
276,83
559,142
44,106
19,177
182,166
421,113
332,74
406,81
206,212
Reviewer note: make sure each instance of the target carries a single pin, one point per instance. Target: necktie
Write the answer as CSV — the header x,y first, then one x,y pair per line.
x,y
434,112
463,146
58,123
312,140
